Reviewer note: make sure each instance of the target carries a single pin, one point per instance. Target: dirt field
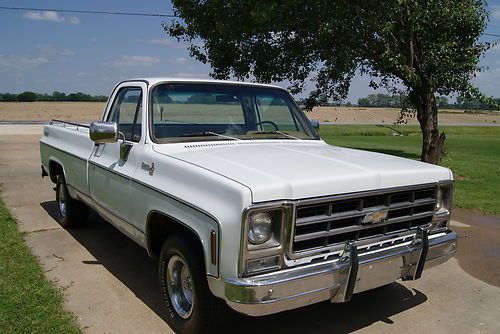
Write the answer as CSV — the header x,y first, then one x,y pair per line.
x,y
356,115
45,111
90,111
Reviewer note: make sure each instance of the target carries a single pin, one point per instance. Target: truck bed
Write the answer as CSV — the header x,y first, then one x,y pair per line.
x,y
68,144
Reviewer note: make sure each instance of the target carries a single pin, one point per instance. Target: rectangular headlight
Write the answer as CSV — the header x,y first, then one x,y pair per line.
x,y
263,237
444,197
444,203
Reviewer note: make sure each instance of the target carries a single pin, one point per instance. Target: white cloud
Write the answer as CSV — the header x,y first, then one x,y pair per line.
x,y
74,20
48,15
162,41
189,75
21,63
48,50
67,53
85,74
136,61
180,60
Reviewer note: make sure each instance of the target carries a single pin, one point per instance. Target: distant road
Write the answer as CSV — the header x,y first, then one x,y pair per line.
x,y
22,122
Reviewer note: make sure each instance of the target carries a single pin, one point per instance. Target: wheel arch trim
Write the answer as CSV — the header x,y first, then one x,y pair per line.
x,y
204,239
53,160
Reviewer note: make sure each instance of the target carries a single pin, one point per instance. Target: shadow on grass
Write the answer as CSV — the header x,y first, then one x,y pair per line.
x,y
130,264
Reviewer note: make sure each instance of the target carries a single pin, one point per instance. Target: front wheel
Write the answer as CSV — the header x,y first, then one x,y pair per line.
x,y
191,307
71,211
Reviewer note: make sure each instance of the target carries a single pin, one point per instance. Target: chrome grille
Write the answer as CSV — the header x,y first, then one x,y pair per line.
x,y
321,224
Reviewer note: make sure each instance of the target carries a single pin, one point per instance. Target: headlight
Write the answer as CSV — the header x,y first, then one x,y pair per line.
x,y
444,198
260,228
439,199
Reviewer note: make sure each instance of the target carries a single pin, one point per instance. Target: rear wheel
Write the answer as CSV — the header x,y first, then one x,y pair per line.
x,y
191,307
71,211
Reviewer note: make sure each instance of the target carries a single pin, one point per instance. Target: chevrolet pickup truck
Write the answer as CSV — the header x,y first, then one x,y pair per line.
x,y
229,185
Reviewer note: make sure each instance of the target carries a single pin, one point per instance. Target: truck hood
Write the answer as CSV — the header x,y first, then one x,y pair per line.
x,y
277,170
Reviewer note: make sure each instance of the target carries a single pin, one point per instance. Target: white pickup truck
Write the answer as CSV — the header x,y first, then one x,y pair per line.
x,y
230,186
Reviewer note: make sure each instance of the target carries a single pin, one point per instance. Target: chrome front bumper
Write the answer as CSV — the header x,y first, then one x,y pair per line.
x,y
338,280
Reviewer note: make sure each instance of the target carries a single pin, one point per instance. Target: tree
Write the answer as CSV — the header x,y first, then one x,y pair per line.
x,y
202,98
442,102
364,102
411,47
58,96
26,97
8,97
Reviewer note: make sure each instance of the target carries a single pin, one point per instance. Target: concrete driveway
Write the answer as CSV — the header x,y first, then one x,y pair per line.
x,y
111,285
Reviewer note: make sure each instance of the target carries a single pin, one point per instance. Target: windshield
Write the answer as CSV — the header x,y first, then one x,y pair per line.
x,y
184,112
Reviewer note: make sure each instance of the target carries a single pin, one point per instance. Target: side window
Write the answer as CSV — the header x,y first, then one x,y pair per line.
x,y
127,112
274,109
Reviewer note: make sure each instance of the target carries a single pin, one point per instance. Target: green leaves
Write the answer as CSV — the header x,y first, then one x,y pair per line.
x,y
432,43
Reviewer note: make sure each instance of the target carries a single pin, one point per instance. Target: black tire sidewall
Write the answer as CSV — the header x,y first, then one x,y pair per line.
x,y
63,220
76,211
196,321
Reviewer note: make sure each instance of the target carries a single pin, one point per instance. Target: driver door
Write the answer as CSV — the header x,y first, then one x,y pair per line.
x,y
109,175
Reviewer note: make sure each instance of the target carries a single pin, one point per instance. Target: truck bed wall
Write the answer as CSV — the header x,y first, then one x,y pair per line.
x,y
70,147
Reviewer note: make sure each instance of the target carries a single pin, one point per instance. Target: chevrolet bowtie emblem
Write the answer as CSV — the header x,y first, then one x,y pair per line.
x,y
375,217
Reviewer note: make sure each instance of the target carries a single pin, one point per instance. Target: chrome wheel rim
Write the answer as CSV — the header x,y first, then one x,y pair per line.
x,y
61,200
180,286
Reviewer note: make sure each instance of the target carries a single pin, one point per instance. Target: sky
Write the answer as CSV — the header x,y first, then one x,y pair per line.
x,y
47,51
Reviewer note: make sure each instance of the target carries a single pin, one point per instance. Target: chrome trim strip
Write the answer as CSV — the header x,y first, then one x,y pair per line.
x,y
120,223
63,123
333,198
82,196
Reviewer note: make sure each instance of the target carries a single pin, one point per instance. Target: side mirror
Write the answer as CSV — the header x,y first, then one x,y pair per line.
x,y
315,124
103,132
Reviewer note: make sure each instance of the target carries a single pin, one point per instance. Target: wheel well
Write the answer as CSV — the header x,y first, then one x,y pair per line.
x,y
160,227
55,169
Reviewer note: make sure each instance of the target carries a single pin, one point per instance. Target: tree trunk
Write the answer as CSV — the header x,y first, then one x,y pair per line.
x,y
427,115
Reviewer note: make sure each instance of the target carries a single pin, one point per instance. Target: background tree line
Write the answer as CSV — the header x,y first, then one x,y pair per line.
x,y
442,102
55,96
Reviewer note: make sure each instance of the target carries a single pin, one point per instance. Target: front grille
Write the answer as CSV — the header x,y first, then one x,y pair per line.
x,y
325,224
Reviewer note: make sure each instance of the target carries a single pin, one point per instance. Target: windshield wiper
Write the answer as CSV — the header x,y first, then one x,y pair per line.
x,y
209,133
274,132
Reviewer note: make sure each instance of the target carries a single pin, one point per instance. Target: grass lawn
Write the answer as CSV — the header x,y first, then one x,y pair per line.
x,y
472,153
28,302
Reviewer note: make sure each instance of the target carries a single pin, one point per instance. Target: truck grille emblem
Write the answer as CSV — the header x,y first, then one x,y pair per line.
x,y
376,216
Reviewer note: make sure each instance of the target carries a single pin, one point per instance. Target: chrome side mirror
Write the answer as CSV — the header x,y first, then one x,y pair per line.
x,y
315,124
103,132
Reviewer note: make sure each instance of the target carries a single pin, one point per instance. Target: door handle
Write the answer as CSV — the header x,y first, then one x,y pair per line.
x,y
150,168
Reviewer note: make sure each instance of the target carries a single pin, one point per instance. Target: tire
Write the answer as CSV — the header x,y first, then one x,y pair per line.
x,y
71,212
205,313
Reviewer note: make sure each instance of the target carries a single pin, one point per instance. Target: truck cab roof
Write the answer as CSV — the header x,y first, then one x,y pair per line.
x,y
156,80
